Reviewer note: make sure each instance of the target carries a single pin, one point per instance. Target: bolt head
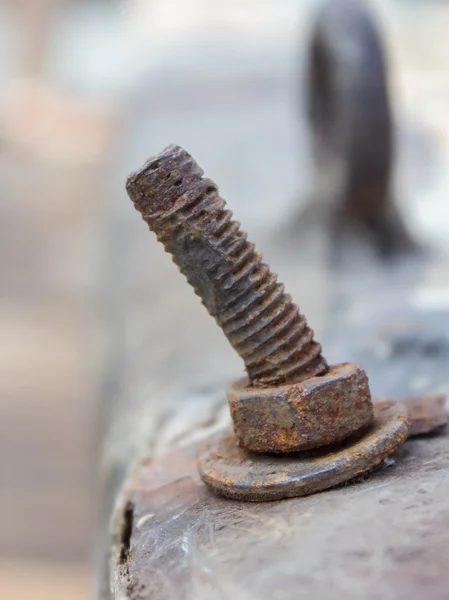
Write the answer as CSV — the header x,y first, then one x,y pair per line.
x,y
316,412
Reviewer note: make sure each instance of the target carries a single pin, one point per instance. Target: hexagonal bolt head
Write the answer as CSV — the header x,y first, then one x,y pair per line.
x,y
301,416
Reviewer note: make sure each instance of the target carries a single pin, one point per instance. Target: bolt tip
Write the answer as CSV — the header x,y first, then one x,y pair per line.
x,y
152,164
162,179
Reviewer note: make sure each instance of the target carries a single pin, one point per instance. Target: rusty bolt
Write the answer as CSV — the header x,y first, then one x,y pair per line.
x,y
259,319
291,401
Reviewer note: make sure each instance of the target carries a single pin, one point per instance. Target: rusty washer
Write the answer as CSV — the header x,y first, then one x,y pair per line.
x,y
235,473
316,412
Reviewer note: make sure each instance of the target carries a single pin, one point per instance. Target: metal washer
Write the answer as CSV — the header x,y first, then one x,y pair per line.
x,y
235,473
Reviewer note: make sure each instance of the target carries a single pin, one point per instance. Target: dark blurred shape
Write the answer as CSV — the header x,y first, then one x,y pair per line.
x,y
351,123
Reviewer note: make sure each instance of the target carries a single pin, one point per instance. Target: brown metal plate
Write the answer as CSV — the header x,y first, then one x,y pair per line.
x,y
235,473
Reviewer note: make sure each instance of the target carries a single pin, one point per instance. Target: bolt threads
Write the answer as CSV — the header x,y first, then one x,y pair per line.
x,y
259,319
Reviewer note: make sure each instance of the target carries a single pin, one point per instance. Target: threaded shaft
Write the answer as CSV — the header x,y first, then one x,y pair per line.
x,y
260,321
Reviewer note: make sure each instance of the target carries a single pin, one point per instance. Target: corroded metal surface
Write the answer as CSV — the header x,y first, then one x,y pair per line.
x,y
384,536
259,319
306,406
291,418
232,472
428,413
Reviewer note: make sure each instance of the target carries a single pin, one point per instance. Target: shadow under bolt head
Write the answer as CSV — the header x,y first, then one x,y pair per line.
x,y
289,418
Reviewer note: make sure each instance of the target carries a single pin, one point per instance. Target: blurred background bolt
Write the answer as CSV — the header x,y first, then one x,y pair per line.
x,y
351,123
